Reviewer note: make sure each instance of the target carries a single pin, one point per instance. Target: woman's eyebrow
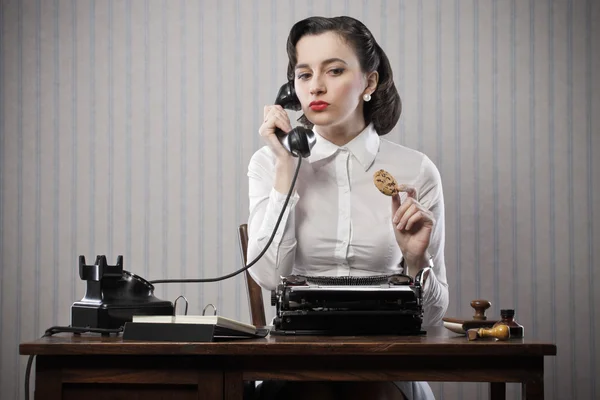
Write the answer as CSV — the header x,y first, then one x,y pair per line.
x,y
328,61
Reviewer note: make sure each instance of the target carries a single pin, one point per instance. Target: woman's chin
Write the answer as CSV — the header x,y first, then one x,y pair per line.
x,y
321,118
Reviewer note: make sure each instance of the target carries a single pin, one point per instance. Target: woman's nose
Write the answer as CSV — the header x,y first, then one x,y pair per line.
x,y
317,87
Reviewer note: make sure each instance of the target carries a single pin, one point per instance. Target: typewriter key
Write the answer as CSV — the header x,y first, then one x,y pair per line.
x,y
294,280
399,280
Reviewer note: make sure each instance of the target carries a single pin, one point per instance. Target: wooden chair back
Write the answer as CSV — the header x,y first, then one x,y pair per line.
x,y
255,297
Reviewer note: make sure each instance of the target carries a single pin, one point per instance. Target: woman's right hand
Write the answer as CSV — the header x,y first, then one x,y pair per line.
x,y
275,117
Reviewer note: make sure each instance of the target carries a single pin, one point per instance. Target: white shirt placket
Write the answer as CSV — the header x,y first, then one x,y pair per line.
x,y
344,210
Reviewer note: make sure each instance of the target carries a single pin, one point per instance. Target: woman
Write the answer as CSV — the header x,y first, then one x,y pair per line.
x,y
337,222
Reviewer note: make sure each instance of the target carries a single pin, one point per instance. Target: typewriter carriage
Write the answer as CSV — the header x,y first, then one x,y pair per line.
x,y
383,304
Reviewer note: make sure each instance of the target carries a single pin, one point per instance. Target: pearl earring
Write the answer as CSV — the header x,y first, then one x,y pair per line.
x,y
366,97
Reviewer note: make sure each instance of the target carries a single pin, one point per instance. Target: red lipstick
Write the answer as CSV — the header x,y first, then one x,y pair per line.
x,y
318,105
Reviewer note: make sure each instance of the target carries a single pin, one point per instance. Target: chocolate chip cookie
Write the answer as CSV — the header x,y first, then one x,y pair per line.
x,y
386,183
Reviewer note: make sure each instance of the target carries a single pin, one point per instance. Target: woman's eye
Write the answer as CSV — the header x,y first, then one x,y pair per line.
x,y
336,71
303,76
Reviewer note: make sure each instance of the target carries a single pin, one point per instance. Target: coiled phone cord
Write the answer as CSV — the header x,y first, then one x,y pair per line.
x,y
57,329
220,278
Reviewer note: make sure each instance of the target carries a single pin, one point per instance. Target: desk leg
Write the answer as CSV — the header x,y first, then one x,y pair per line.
x,y
533,390
48,380
233,385
210,385
497,391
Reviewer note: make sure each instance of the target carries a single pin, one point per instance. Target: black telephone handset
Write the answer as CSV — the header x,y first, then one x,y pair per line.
x,y
300,140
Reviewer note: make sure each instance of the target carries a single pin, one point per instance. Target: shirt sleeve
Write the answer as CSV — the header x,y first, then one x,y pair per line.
x,y
266,205
435,290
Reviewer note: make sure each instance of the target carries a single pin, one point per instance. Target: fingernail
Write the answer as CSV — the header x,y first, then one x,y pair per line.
x,y
401,226
395,220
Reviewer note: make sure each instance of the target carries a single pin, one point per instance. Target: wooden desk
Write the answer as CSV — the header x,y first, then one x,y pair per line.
x,y
93,367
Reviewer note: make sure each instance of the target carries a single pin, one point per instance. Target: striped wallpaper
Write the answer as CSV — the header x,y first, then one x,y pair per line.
x,y
126,127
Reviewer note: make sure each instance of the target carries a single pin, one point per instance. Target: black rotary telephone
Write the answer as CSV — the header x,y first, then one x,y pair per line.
x,y
300,140
114,295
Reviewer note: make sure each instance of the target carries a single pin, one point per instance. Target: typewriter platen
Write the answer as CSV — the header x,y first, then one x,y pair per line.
x,y
317,305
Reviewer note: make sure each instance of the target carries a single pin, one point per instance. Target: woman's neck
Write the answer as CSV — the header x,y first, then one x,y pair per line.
x,y
343,133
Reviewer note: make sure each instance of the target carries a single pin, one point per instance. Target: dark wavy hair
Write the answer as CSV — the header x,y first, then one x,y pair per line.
x,y
385,106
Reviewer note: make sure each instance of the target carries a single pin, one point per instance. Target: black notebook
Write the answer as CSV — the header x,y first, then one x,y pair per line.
x,y
189,328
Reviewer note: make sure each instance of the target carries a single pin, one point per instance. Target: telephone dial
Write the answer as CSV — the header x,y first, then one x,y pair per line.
x,y
300,140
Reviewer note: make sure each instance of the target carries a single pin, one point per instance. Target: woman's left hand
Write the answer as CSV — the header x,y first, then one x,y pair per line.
x,y
413,225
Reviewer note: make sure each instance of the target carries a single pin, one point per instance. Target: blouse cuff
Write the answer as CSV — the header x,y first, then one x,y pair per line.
x,y
429,286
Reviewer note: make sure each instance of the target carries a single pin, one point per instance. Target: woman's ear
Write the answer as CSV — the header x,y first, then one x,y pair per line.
x,y
372,80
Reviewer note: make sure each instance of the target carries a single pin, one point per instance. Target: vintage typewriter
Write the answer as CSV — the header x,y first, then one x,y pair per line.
x,y
348,305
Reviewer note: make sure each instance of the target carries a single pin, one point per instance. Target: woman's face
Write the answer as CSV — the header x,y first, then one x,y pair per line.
x,y
329,81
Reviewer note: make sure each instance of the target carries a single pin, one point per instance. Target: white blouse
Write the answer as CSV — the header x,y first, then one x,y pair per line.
x,y
337,223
